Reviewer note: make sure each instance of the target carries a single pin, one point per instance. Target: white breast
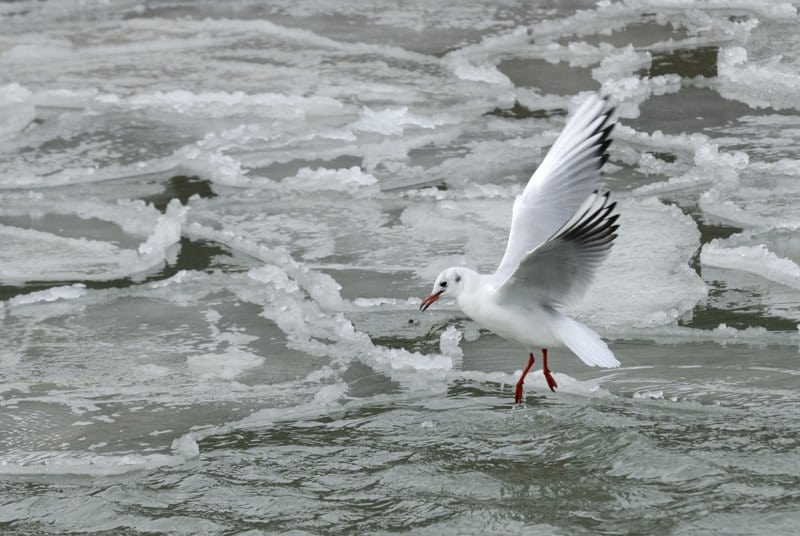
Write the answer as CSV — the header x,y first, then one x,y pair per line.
x,y
529,325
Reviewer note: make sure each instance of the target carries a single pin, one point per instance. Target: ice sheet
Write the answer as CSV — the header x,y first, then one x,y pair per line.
x,y
347,153
16,111
647,280
760,84
757,259
35,255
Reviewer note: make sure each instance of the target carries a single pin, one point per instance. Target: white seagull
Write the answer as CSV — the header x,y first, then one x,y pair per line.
x,y
562,228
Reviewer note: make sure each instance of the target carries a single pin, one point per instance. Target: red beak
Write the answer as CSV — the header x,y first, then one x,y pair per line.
x,y
429,300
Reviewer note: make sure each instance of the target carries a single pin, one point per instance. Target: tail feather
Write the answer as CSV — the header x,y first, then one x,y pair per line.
x,y
584,343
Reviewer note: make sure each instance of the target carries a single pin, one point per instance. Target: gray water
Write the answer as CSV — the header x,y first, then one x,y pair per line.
x,y
217,221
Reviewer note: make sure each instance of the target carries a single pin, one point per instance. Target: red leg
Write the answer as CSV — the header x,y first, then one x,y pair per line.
x,y
551,382
521,382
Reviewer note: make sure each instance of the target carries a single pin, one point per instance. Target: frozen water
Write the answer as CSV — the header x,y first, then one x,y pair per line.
x,y
217,221
755,259
44,255
767,84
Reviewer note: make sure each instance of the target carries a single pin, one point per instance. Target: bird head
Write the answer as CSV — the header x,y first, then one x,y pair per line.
x,y
450,281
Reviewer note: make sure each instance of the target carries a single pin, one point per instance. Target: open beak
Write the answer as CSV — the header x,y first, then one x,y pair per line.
x,y
429,300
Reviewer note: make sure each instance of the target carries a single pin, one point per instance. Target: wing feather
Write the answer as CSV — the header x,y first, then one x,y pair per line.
x,y
569,173
559,271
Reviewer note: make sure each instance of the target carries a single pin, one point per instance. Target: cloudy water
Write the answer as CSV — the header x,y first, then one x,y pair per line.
x,y
217,220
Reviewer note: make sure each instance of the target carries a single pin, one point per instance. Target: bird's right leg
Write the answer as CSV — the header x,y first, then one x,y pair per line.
x,y
518,391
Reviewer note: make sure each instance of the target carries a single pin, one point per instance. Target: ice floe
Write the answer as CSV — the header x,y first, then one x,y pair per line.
x,y
342,170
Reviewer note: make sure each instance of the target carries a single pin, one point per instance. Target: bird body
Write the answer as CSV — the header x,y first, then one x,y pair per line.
x,y
529,326
562,228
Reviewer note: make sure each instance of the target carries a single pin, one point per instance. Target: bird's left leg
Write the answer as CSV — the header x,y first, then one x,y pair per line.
x,y
518,391
551,382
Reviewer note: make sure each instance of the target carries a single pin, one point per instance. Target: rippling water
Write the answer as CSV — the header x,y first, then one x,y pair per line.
x,y
217,220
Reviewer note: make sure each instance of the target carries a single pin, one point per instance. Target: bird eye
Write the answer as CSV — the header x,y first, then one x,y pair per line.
x,y
458,278
443,284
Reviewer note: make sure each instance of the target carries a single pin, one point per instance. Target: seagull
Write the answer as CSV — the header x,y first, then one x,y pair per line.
x,y
562,228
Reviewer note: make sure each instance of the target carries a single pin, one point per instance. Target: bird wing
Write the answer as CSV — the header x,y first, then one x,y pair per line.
x,y
569,173
559,271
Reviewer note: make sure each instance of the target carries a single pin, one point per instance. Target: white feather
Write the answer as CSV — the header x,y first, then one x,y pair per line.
x,y
583,342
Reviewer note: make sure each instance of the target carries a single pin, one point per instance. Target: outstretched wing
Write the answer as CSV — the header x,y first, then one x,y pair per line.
x,y
569,173
559,271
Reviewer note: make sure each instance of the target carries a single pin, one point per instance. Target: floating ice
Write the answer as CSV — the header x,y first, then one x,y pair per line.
x,y
167,231
186,446
308,141
321,287
687,144
34,255
219,104
227,364
78,463
391,121
756,259
351,180
449,342
52,294
633,90
472,72
214,165
377,302
711,166
758,84
621,64
646,280
763,199
17,110
713,203
650,395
